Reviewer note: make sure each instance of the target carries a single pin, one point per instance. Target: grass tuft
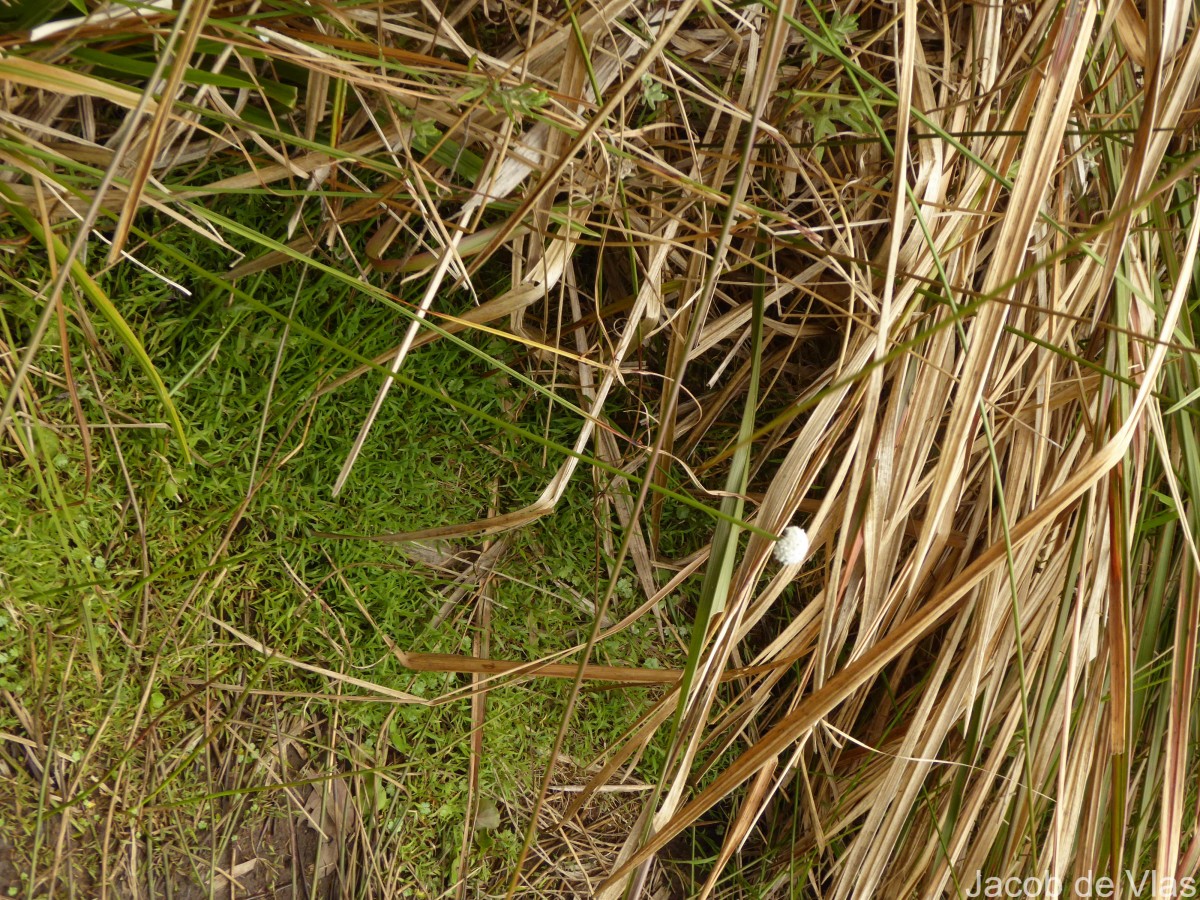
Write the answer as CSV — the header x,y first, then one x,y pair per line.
x,y
399,406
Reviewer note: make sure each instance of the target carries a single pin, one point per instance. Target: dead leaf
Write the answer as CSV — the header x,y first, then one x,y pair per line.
x,y
224,879
332,806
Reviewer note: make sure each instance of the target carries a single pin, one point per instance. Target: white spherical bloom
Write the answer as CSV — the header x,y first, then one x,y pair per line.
x,y
792,546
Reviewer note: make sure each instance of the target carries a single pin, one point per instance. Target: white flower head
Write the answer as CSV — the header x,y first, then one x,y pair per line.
x,y
792,546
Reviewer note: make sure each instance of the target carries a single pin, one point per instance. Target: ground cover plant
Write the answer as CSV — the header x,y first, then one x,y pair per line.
x,y
402,404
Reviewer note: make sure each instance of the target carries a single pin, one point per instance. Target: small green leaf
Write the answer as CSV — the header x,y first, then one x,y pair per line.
x,y
488,816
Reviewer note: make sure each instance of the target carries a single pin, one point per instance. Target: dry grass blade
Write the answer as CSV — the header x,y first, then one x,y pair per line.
x,y
195,14
259,647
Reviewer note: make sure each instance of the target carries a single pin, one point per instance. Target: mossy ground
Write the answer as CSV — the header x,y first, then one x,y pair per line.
x,y
122,561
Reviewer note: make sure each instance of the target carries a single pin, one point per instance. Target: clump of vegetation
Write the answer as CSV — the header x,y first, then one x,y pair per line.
x,y
400,410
